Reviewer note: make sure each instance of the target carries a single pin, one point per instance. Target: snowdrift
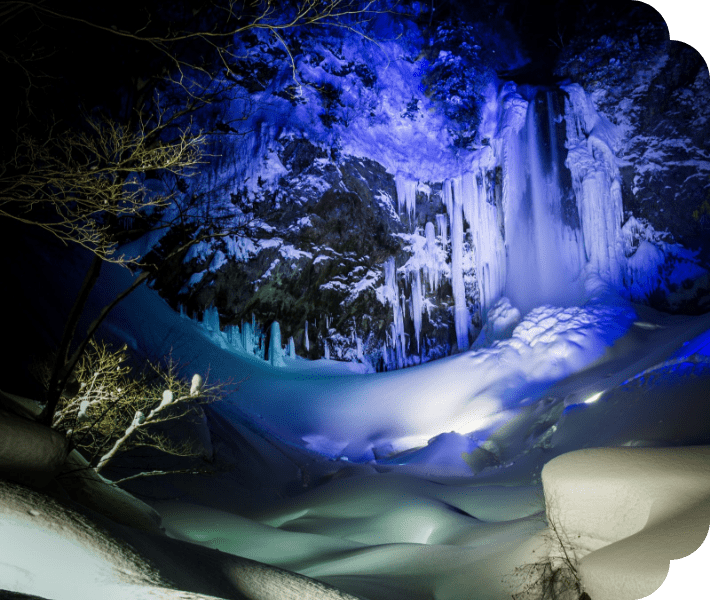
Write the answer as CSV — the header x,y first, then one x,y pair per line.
x,y
53,551
627,512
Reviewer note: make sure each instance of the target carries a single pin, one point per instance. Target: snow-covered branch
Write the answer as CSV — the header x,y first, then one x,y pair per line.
x,y
114,411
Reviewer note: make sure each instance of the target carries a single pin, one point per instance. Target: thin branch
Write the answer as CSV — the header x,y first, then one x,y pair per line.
x,y
155,473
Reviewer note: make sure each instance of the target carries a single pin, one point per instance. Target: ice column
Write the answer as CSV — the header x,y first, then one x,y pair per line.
x,y
453,196
591,139
406,195
234,337
210,319
392,295
276,357
247,338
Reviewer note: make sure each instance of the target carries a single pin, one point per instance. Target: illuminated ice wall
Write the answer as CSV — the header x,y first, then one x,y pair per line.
x,y
536,212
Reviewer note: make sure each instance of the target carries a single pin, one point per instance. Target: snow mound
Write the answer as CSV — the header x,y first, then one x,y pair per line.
x,y
51,551
502,319
626,512
87,487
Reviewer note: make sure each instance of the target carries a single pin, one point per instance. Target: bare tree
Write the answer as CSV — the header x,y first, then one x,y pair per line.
x,y
78,181
115,411
554,576
77,184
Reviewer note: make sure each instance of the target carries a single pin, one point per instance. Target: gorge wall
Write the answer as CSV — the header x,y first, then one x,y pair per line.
x,y
385,228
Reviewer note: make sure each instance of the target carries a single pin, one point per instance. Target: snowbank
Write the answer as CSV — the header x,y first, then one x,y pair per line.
x,y
626,512
52,551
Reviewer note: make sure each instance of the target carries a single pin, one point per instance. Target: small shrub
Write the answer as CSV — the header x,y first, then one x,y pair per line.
x,y
555,576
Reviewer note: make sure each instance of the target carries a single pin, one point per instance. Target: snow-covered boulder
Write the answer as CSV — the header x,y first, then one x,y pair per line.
x,y
30,453
626,512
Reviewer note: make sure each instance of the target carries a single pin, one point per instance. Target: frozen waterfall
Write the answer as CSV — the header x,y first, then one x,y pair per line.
x,y
537,210
543,240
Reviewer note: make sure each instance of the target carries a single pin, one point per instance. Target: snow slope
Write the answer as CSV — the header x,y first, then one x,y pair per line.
x,y
458,516
53,551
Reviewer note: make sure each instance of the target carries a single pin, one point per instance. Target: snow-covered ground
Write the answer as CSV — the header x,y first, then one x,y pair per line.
x,y
370,482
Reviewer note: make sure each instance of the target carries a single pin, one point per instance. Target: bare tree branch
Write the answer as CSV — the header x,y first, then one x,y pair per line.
x,y
115,412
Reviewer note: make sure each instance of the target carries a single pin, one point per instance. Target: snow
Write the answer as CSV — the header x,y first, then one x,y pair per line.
x,y
652,263
424,482
441,495
106,561
367,282
646,506
500,323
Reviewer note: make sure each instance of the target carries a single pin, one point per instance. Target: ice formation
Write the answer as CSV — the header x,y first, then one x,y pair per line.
x,y
534,216
406,195
453,199
276,357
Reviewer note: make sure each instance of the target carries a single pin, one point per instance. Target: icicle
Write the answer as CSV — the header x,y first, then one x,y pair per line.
x,y
488,244
442,226
358,343
306,343
326,349
406,195
453,198
417,304
291,348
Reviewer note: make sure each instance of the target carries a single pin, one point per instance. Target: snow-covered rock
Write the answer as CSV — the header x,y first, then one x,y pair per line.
x,y
626,512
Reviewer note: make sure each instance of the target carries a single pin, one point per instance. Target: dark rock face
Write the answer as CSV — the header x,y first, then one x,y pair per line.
x,y
327,225
670,137
658,93
318,259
